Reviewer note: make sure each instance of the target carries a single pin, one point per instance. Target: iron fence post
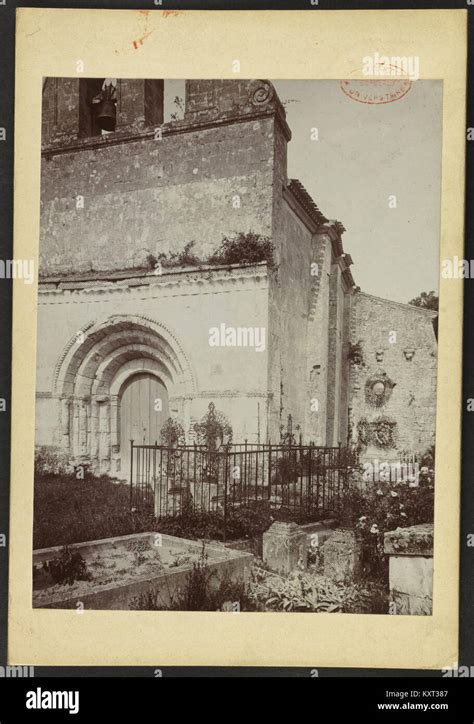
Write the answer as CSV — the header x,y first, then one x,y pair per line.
x,y
154,478
131,474
226,453
245,471
310,478
269,470
341,472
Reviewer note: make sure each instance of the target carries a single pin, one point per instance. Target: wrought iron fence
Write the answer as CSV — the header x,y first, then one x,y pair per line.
x,y
302,480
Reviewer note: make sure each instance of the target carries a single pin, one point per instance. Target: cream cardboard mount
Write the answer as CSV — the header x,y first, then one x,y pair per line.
x,y
110,347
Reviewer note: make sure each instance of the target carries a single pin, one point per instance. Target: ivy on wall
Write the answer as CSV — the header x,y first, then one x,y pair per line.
x,y
355,354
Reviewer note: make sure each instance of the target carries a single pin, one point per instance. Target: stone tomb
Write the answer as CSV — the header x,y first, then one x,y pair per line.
x,y
411,569
285,547
342,556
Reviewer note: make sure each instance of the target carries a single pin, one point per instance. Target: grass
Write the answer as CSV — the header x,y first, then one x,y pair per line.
x,y
68,510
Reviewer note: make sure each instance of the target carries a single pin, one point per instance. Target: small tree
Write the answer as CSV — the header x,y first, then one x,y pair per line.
x,y
426,300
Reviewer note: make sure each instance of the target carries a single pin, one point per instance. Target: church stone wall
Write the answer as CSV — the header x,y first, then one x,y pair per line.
x,y
146,196
298,313
309,323
289,311
186,305
398,344
143,190
139,103
336,423
109,202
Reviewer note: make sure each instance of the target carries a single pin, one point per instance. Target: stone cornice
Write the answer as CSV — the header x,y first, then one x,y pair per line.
x,y
390,302
344,261
348,280
208,276
306,203
300,212
174,128
206,394
301,203
332,229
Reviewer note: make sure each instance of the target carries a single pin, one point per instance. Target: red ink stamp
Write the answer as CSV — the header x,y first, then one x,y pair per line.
x,y
394,85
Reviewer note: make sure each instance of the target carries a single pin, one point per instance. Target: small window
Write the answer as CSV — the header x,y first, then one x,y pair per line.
x,y
174,100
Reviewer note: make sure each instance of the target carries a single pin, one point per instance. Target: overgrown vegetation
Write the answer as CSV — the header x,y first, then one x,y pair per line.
x,y
67,567
308,592
374,508
355,354
426,300
185,257
266,591
203,591
68,509
48,461
138,548
241,523
242,248
248,522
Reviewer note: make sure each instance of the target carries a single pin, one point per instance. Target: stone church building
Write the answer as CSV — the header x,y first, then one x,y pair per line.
x,y
118,332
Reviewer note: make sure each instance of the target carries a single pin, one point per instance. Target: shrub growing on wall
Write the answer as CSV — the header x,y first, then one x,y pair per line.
x,y
249,248
243,248
355,354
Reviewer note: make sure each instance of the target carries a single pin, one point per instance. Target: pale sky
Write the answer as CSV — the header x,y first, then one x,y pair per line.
x,y
366,153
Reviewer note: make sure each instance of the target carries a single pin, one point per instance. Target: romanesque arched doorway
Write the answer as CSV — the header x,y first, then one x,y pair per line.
x,y
143,410
108,380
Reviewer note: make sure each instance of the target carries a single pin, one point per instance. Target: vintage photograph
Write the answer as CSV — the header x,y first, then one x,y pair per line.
x,y
236,367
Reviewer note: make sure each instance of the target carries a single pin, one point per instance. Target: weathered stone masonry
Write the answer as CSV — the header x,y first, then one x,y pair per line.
x,y
110,201
398,346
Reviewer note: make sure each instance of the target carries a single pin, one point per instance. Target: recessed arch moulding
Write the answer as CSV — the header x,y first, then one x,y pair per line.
x,y
93,370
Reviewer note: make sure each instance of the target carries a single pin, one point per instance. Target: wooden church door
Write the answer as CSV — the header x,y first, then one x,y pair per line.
x,y
143,410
